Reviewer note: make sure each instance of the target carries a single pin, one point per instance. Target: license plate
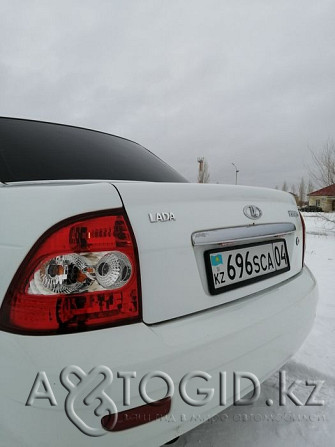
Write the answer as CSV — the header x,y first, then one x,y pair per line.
x,y
232,267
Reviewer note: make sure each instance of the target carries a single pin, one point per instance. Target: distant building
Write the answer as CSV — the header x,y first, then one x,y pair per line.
x,y
324,198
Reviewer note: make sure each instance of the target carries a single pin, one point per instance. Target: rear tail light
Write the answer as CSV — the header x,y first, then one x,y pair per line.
x,y
303,238
82,274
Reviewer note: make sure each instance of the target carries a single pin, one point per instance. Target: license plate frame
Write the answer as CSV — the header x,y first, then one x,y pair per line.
x,y
235,249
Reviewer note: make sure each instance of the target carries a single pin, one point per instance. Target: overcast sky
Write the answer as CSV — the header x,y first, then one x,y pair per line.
x,y
244,81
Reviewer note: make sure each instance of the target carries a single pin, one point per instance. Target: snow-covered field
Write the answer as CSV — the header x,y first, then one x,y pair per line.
x,y
290,425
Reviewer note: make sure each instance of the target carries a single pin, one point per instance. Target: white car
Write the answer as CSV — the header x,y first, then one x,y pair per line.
x,y
122,284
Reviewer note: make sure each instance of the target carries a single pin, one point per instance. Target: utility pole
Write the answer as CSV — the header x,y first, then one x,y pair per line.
x,y
236,172
203,174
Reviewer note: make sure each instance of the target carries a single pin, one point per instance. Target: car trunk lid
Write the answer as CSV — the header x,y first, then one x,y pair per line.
x,y
177,226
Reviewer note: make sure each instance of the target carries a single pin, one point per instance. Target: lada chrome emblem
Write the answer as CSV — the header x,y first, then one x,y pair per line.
x,y
161,217
252,212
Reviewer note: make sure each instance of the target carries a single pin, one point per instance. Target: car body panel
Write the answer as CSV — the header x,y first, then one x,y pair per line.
x,y
169,262
267,334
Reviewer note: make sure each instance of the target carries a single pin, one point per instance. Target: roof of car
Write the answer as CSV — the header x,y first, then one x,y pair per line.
x,y
65,125
327,191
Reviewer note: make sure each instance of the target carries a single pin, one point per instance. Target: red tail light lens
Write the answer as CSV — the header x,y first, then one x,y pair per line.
x,y
82,274
303,238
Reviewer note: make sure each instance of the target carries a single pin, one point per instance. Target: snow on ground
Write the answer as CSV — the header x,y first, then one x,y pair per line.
x,y
292,426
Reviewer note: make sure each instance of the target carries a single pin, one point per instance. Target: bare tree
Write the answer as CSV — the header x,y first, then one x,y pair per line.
x,y
203,173
293,190
310,187
322,171
284,187
302,191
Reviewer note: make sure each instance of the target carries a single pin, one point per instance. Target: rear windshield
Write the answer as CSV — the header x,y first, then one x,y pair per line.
x,y
31,150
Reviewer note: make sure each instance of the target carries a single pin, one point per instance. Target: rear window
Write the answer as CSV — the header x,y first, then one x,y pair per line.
x,y
32,150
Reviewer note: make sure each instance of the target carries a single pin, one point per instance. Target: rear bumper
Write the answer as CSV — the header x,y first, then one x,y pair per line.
x,y
256,334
